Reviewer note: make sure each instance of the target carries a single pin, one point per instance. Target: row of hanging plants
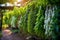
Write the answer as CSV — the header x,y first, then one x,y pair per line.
x,y
37,18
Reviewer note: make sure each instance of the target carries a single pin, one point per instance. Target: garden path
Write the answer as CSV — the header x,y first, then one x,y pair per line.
x,y
8,35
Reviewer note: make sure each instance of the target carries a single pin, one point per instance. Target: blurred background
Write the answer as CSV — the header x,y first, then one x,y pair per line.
x,y
30,19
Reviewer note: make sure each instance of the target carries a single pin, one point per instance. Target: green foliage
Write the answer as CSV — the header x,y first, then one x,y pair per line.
x,y
29,23
7,16
56,26
39,28
13,21
51,23
42,2
16,11
3,1
23,23
56,2
30,18
0,34
23,19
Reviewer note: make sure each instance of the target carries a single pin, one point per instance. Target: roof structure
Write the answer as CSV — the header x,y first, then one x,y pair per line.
x,y
9,6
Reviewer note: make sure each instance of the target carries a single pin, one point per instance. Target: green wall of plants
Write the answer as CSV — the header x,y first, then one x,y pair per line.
x,y
30,18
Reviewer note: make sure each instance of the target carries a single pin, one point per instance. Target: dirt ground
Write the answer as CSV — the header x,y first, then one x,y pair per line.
x,y
8,35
